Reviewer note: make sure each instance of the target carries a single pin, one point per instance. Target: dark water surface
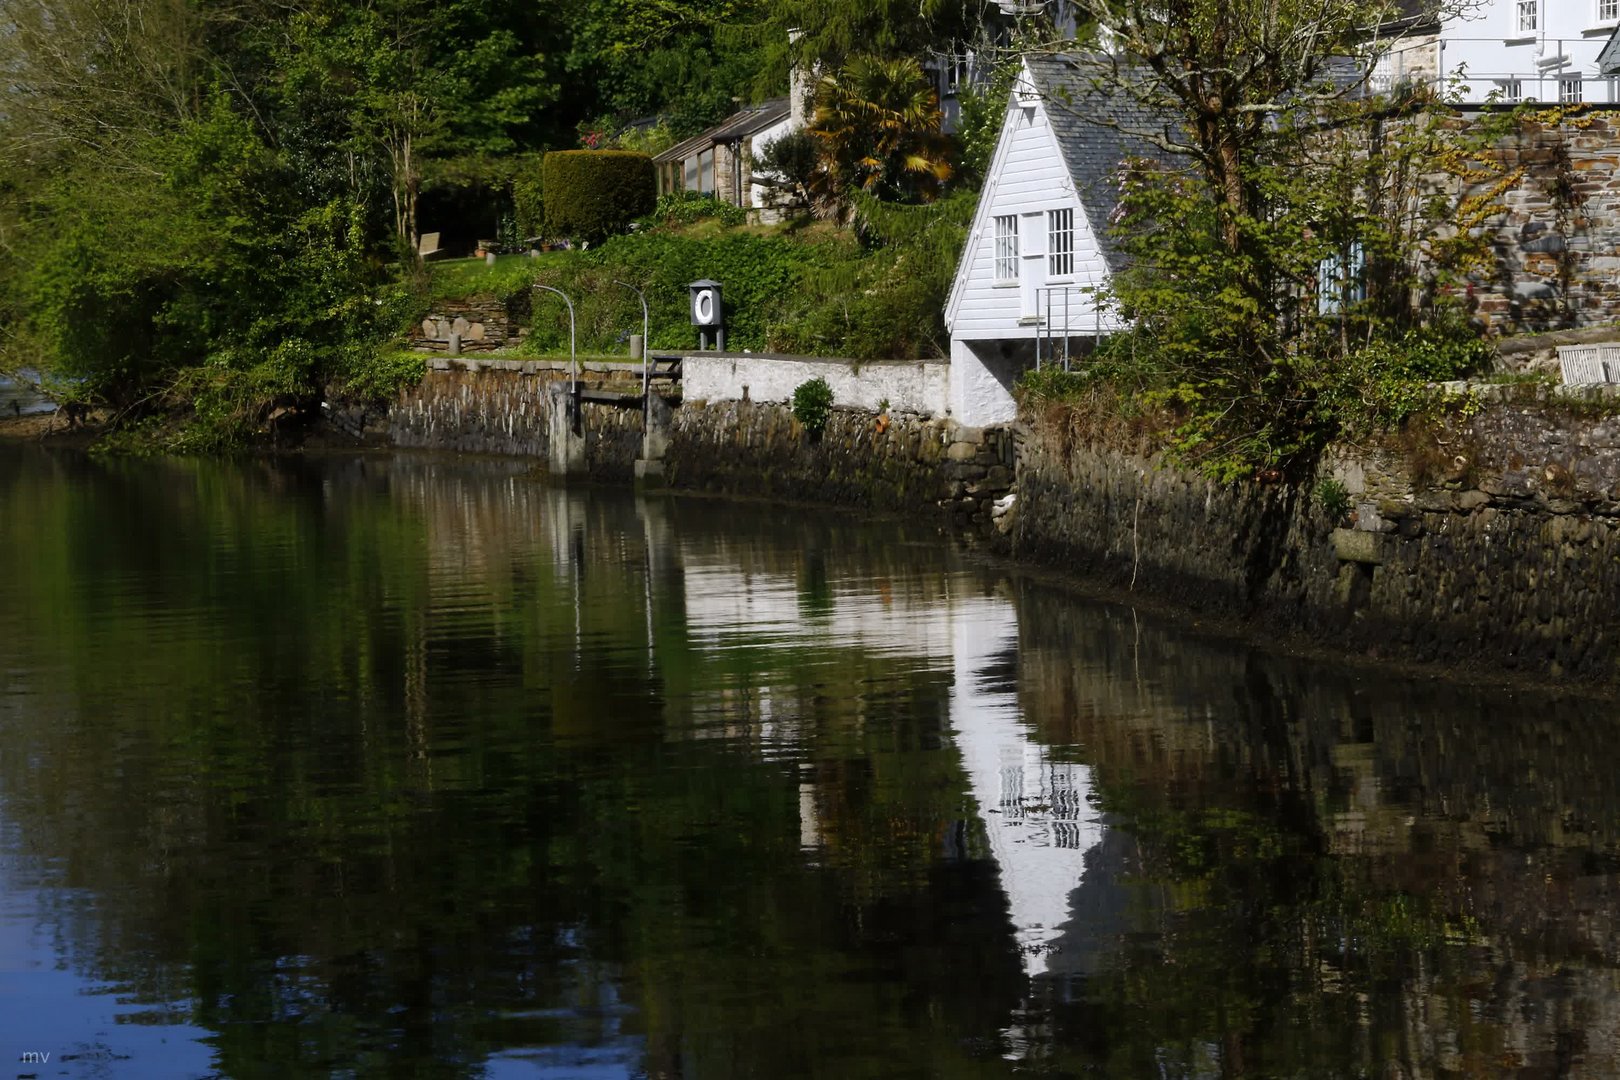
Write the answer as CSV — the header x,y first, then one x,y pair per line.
x,y
395,767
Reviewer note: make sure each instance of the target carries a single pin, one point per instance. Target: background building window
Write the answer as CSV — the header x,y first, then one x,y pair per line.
x,y
706,172
1341,280
1608,10
1569,89
1510,89
1527,16
1060,243
1007,248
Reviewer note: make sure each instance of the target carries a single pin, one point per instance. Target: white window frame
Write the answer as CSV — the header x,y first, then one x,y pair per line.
x,y
1526,17
1569,89
1608,11
1341,280
706,177
1006,268
1512,89
1060,243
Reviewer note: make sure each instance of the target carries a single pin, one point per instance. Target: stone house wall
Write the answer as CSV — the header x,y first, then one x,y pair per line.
x,y
1557,243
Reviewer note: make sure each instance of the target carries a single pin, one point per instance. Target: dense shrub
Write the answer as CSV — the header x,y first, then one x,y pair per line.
x,y
812,404
691,207
757,272
885,299
593,194
872,296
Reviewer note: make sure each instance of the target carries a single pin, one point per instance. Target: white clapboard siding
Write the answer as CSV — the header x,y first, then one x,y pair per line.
x,y
1027,177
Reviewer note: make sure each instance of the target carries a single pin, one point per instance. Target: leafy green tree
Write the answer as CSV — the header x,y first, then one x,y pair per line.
x,y
687,62
830,33
878,124
1279,219
417,80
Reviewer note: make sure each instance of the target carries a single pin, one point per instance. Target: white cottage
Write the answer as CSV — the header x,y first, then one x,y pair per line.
x,y
1515,50
1038,251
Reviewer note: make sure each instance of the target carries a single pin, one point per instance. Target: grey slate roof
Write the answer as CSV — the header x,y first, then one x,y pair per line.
x,y
739,125
1609,58
1093,123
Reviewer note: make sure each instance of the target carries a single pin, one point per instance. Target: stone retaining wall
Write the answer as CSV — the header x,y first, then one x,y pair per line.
x,y
1501,546
484,323
1498,543
892,462
512,411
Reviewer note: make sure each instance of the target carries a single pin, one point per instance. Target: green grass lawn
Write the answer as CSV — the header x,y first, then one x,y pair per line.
x,y
458,279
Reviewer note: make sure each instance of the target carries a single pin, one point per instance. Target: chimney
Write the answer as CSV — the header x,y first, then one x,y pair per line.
x,y
801,85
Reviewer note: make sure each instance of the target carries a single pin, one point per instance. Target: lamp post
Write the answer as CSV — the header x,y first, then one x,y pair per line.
x,y
645,362
573,359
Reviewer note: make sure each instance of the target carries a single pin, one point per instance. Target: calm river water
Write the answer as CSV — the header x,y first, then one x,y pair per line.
x,y
408,767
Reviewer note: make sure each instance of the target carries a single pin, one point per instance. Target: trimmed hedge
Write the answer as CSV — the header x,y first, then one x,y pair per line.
x,y
593,194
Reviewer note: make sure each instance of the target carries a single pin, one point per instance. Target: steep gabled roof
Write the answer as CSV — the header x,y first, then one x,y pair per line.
x,y
739,125
1097,125
1609,58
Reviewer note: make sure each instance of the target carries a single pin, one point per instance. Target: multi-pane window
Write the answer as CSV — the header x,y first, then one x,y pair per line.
x,y
1007,248
706,171
1341,280
1510,89
1060,243
1608,10
1569,89
1527,16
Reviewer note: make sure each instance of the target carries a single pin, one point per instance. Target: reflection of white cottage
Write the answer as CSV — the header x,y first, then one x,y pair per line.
x,y
1037,812
1039,250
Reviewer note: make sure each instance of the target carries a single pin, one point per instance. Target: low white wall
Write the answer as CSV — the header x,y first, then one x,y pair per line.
x,y
917,386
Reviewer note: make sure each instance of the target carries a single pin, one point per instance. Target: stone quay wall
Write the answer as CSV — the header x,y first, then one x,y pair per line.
x,y
1498,545
1494,542
886,462
893,461
513,408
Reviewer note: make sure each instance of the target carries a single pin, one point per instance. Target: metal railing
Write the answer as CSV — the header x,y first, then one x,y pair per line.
x,y
1063,313
1551,68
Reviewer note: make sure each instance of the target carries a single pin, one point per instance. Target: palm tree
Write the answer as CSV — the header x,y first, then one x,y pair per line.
x,y
877,123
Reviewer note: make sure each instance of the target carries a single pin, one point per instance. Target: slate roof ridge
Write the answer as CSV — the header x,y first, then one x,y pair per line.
x,y
1609,58
739,125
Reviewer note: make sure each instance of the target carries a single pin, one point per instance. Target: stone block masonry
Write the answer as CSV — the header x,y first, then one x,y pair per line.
x,y
1494,542
1496,545
895,461
890,462
484,324
510,409
1556,237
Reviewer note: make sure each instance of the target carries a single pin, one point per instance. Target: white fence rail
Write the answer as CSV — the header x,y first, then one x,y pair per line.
x,y
1582,364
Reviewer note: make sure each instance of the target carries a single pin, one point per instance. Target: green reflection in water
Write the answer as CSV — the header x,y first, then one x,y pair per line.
x,y
391,766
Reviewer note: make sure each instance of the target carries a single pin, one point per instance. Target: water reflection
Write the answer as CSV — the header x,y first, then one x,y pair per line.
x,y
366,766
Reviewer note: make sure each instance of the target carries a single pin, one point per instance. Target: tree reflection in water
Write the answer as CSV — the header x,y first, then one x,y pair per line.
x,y
388,765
